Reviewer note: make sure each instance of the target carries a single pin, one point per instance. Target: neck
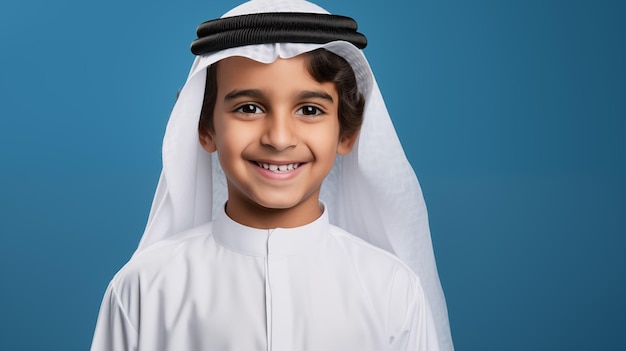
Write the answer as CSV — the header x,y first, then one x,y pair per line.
x,y
254,215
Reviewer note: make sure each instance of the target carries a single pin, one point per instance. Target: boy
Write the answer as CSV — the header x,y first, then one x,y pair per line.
x,y
240,254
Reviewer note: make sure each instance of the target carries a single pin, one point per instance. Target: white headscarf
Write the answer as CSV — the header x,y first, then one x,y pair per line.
x,y
372,192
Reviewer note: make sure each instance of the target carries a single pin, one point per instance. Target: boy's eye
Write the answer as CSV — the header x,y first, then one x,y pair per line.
x,y
249,109
309,111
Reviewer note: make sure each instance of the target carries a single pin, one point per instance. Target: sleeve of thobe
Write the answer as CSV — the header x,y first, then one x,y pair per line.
x,y
417,332
114,330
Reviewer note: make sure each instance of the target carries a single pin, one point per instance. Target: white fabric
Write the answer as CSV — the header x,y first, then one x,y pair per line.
x,y
315,287
372,192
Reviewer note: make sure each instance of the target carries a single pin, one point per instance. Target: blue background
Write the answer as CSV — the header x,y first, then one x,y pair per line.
x,y
511,112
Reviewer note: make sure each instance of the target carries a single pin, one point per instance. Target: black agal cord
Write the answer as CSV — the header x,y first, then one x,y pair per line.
x,y
275,27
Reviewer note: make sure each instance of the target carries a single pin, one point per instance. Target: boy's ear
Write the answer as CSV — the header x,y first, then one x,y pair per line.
x,y
207,141
346,143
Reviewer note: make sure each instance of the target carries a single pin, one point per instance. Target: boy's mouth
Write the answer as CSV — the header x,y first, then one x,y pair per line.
x,y
278,168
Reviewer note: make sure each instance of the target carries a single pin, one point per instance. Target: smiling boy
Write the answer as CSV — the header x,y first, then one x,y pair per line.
x,y
268,143
276,131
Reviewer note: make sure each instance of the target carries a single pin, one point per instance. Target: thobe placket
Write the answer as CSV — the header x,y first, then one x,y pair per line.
x,y
278,298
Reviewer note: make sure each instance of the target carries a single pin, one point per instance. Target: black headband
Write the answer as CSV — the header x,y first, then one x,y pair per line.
x,y
275,27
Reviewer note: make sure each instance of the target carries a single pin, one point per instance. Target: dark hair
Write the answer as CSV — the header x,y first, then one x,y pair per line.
x,y
323,66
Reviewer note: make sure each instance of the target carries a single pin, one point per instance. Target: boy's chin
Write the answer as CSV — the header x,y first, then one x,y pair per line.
x,y
289,212
282,201
286,205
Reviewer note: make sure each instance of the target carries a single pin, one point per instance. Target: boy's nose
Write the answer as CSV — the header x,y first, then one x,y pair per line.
x,y
279,132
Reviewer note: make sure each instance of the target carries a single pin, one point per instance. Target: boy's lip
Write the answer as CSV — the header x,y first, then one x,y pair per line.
x,y
275,169
275,161
278,165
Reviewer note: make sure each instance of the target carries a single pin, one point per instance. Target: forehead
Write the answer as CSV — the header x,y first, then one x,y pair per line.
x,y
235,64
240,72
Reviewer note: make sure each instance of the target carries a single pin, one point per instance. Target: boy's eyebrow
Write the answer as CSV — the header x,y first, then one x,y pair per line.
x,y
249,93
315,94
258,94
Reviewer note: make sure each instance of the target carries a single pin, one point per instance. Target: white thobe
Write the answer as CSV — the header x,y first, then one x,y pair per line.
x,y
224,286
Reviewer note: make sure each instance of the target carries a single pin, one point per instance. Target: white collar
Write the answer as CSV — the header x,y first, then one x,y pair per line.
x,y
278,241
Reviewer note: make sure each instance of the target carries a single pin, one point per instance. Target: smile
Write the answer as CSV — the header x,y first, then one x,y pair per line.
x,y
278,168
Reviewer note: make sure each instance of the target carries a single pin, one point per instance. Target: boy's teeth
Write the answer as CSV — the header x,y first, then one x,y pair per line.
x,y
279,168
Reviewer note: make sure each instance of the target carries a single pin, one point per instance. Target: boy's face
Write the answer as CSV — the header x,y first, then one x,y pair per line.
x,y
276,131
